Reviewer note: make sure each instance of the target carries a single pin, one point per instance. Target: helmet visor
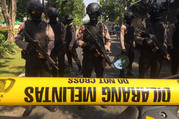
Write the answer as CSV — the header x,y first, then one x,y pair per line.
x,y
36,12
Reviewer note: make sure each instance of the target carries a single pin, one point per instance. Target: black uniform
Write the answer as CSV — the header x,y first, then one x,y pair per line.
x,y
41,33
59,50
71,42
151,58
129,39
91,58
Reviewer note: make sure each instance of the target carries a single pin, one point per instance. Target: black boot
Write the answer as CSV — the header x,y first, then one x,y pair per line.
x,y
28,111
51,108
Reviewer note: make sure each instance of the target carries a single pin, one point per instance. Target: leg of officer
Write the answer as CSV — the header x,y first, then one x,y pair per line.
x,y
55,58
69,57
87,65
99,67
144,65
77,60
131,60
155,68
31,70
61,64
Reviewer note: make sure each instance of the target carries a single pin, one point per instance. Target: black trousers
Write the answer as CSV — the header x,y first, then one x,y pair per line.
x,y
90,62
149,60
130,54
73,54
59,58
37,68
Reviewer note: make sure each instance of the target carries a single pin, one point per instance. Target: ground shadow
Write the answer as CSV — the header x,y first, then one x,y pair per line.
x,y
36,116
90,112
7,108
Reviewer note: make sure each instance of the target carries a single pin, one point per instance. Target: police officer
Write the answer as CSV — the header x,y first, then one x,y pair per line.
x,y
175,50
91,59
42,33
58,51
71,44
153,49
127,39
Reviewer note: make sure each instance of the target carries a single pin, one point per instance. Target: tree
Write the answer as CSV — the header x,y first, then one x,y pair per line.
x,y
74,7
9,14
113,10
21,9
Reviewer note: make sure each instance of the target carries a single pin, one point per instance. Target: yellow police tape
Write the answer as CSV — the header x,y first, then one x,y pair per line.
x,y
148,117
88,91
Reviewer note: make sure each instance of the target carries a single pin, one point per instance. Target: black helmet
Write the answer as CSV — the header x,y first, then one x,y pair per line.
x,y
128,16
156,14
93,8
52,12
68,17
35,5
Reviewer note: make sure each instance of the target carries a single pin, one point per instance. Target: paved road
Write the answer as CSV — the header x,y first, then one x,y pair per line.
x,y
89,112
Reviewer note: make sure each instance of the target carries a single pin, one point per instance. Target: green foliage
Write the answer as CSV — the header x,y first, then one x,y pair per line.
x,y
6,49
21,9
12,66
1,17
74,7
113,10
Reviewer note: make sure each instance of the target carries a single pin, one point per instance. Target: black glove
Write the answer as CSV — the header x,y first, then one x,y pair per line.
x,y
123,52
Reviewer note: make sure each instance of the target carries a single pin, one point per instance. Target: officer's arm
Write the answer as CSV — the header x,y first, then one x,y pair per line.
x,y
80,41
123,28
51,38
19,38
165,46
107,38
73,31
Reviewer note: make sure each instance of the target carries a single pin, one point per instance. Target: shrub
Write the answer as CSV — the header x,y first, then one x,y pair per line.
x,y
6,49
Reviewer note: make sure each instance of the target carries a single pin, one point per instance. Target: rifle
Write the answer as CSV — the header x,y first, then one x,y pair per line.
x,y
36,46
157,46
100,50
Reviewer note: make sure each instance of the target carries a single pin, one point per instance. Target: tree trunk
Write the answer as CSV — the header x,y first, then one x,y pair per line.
x,y
9,17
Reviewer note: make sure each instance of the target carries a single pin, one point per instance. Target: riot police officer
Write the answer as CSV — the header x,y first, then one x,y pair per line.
x,y
127,39
58,51
41,33
71,44
154,47
91,59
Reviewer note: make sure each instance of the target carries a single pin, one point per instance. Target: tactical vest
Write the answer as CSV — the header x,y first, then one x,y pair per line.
x,y
57,29
37,32
158,30
97,32
69,30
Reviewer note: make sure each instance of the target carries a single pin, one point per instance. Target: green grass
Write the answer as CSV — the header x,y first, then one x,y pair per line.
x,y
12,65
